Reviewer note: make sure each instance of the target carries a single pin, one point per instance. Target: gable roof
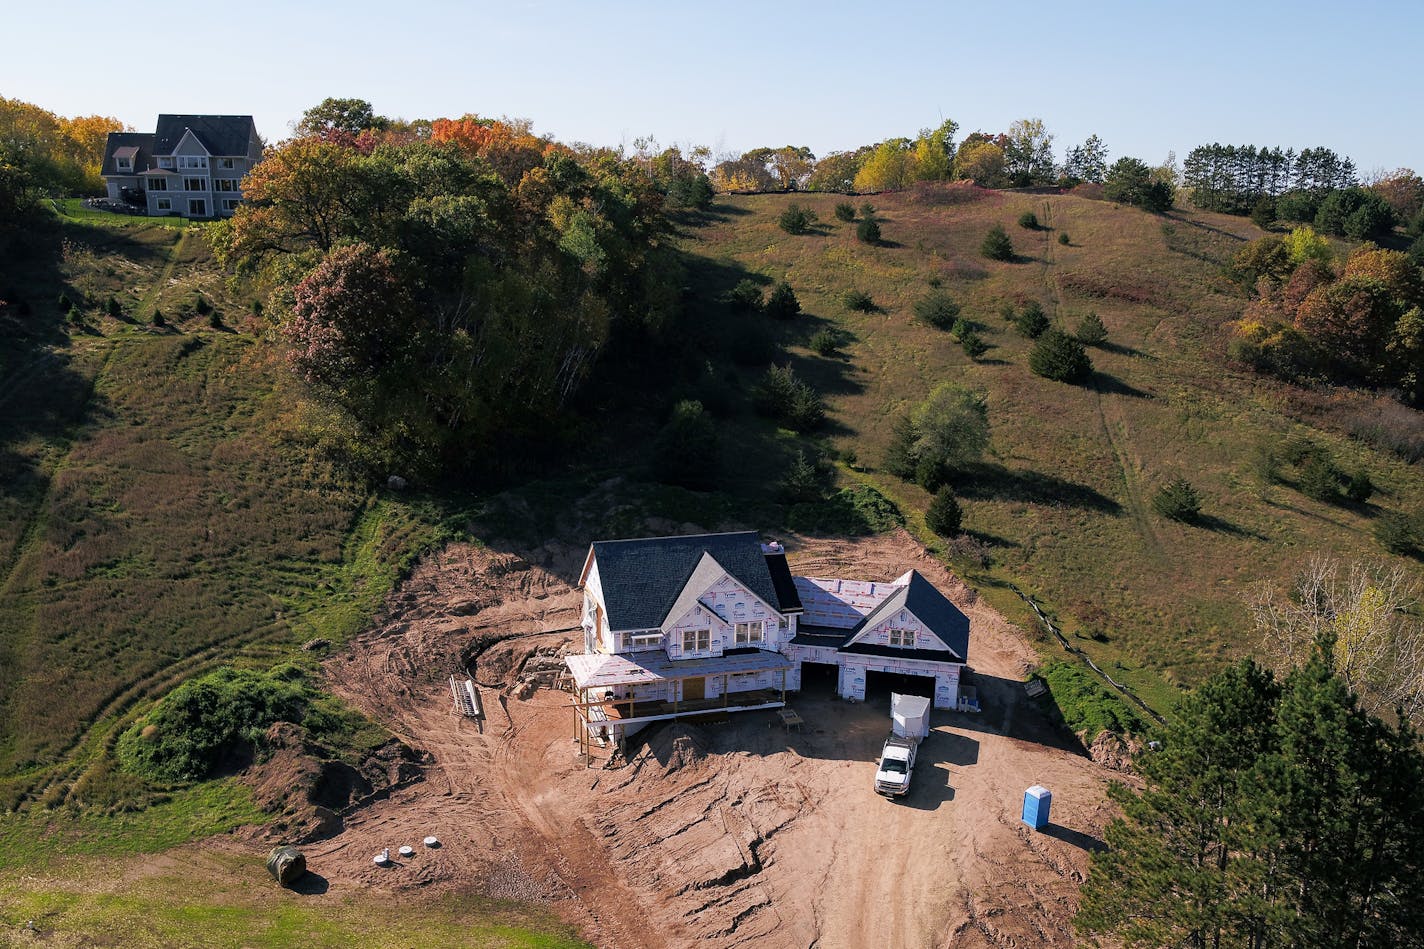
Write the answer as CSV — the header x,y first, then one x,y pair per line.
x,y
141,144
931,607
643,578
707,572
219,134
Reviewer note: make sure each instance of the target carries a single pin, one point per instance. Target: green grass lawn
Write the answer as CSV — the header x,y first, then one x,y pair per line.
x,y
216,901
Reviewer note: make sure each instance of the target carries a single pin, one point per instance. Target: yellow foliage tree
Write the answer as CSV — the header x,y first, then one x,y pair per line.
x,y
980,162
889,168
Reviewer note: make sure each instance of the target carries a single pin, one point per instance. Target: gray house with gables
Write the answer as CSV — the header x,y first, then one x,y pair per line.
x,y
677,626
190,165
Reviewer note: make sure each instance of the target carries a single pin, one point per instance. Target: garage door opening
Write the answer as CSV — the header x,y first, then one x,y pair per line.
x,y
879,685
819,677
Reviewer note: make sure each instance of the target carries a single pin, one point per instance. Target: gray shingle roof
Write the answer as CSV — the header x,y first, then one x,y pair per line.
x,y
921,598
143,141
642,578
220,134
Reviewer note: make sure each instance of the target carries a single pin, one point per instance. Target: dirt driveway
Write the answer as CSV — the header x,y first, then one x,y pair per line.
x,y
716,835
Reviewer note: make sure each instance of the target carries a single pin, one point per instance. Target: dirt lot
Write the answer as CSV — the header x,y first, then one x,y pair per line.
x,y
718,835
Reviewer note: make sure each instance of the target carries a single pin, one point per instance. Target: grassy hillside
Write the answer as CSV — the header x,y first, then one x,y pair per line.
x,y
159,515
1063,506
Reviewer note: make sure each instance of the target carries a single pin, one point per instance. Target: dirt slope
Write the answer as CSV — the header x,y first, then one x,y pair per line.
x,y
720,835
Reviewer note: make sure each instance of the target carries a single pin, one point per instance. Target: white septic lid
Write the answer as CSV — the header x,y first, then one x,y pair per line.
x,y
406,851
432,841
382,858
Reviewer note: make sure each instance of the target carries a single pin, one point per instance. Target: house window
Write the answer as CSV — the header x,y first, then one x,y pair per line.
x,y
195,184
165,163
163,204
902,637
193,161
230,204
227,184
197,207
158,184
122,164
225,163
696,640
643,640
750,633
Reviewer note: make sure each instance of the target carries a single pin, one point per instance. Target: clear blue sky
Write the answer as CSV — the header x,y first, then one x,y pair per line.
x,y
1145,76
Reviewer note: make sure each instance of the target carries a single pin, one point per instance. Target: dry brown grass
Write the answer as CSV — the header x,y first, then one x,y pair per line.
x,y
1065,503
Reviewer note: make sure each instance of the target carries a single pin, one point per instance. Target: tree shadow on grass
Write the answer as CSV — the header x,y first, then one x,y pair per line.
x,y
986,482
1220,526
1111,384
1121,350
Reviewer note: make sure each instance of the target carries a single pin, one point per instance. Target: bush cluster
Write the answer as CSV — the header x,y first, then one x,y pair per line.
x,y
1060,357
780,395
938,309
1177,500
1084,705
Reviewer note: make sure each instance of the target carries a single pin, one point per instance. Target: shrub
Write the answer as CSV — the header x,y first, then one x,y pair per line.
x,y
206,721
745,297
112,307
1398,534
867,210
157,318
1060,357
1263,213
685,450
201,306
796,219
1177,500
782,303
1358,486
868,230
996,245
1320,479
215,320
780,395
938,309
854,511
1029,221
1064,239
1084,705
65,303
949,430
74,315
973,346
1031,320
858,300
827,342
1091,331
804,480
944,515
845,211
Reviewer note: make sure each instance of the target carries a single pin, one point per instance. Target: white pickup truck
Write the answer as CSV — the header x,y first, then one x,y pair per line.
x,y
909,724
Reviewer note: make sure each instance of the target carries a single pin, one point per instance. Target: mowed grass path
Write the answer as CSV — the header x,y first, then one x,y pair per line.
x,y
1065,500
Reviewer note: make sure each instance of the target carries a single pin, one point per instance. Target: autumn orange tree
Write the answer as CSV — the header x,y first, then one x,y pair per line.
x,y
441,294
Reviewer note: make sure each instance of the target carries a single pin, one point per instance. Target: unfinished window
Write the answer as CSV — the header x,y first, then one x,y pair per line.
x,y
696,640
750,633
644,640
902,637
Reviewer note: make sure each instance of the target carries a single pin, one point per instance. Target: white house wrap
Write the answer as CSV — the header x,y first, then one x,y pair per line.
x,y
677,626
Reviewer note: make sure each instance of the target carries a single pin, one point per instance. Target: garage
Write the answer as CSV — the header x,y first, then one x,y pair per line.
x,y
819,677
879,685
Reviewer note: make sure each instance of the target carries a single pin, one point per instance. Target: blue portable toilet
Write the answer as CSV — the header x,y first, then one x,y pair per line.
x,y
1035,809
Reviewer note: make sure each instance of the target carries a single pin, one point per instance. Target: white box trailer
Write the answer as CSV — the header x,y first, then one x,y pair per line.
x,y
910,716
909,725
